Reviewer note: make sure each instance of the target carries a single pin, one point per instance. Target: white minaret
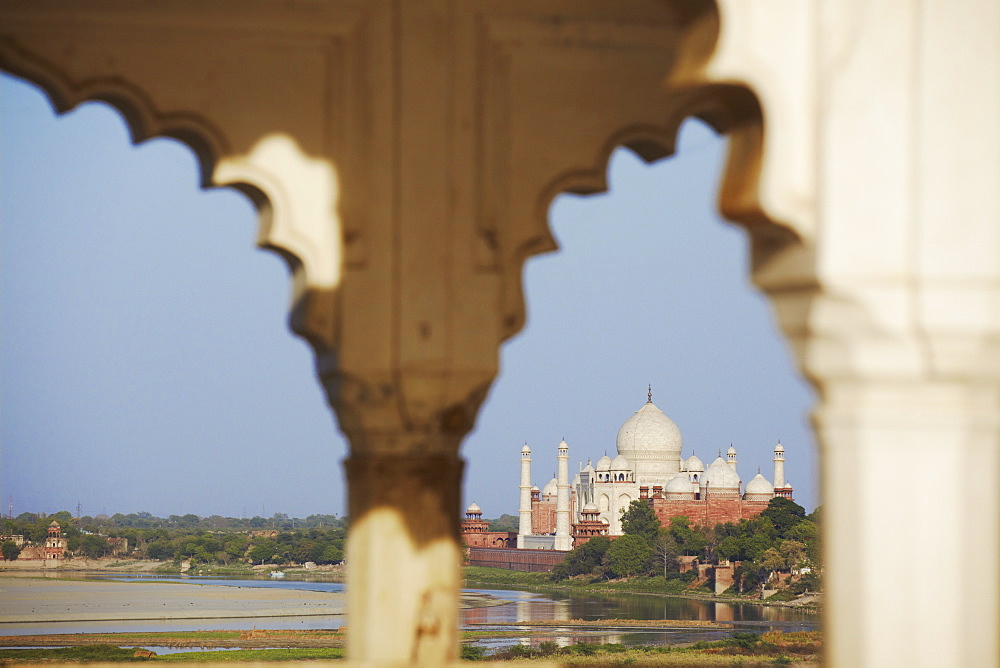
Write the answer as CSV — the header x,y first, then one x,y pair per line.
x,y
779,466
564,541
524,526
731,457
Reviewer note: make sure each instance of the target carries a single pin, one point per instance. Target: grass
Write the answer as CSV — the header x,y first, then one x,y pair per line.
x,y
255,655
84,654
743,649
111,653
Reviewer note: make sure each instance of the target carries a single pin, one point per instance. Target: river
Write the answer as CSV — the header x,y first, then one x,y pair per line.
x,y
519,606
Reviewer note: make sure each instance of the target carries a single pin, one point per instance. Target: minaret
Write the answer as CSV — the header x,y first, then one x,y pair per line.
x,y
731,457
564,541
779,466
524,526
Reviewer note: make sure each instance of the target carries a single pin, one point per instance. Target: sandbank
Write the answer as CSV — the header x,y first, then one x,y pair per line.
x,y
46,600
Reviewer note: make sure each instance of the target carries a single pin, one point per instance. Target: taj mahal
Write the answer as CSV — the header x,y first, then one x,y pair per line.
x,y
648,465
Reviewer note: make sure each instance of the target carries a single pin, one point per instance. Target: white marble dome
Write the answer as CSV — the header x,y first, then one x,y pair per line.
x,y
720,475
620,463
604,463
694,465
652,442
759,489
591,507
473,509
679,484
551,488
526,450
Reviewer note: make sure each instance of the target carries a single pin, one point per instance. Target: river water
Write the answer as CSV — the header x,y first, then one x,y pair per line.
x,y
518,606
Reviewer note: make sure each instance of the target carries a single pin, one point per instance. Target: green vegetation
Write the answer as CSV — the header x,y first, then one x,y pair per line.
x,y
781,538
83,654
111,653
505,522
255,655
743,649
219,541
9,550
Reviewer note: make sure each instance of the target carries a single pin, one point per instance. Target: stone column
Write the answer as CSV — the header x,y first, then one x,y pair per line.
x,y
563,539
403,547
779,466
524,508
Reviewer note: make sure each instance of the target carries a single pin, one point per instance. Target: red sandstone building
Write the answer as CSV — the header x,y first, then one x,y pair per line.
x,y
55,544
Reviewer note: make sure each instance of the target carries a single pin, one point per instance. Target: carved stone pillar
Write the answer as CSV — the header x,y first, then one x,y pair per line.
x,y
880,153
403,156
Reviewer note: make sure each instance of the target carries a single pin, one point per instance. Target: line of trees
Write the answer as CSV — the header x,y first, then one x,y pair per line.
x,y
782,537
215,539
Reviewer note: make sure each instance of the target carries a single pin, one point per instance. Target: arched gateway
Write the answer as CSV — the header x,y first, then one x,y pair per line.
x,y
403,155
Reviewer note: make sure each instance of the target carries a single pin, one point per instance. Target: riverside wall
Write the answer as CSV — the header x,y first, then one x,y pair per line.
x,y
529,561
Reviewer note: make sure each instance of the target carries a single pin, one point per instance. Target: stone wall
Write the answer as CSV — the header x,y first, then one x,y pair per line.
x,y
531,561
707,512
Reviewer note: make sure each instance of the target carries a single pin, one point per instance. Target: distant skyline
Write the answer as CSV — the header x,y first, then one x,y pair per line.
x,y
146,363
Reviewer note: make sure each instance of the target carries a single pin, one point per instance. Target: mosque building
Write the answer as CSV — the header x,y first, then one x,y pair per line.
x,y
648,465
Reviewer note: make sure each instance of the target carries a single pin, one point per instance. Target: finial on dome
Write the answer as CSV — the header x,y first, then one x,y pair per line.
x,y
649,394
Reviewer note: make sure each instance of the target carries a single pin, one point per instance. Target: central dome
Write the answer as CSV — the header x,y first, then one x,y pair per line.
x,y
652,442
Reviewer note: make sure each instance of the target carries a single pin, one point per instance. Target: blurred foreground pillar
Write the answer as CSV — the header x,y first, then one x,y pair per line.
x,y
882,147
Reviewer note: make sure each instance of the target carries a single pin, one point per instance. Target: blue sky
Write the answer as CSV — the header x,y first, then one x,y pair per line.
x,y
146,363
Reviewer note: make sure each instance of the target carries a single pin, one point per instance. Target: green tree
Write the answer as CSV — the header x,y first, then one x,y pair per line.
x,y
262,551
505,522
772,560
10,550
94,546
792,553
639,519
689,541
629,555
784,514
807,533
582,560
665,550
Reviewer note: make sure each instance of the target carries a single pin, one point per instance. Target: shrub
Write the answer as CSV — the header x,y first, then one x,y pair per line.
x,y
548,647
473,653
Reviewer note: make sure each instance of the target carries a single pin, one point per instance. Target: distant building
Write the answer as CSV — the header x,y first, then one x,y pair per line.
x,y
17,539
476,531
647,466
55,544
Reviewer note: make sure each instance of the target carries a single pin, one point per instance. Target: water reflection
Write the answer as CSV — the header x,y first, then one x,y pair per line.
x,y
566,605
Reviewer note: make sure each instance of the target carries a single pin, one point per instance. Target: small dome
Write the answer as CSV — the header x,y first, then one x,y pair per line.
x,y
563,445
694,465
731,450
526,449
473,509
604,463
720,475
590,508
679,484
779,447
551,488
759,485
619,463
534,488
588,468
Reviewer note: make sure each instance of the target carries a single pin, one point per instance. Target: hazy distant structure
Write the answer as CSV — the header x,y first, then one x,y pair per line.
x,y
55,543
648,465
